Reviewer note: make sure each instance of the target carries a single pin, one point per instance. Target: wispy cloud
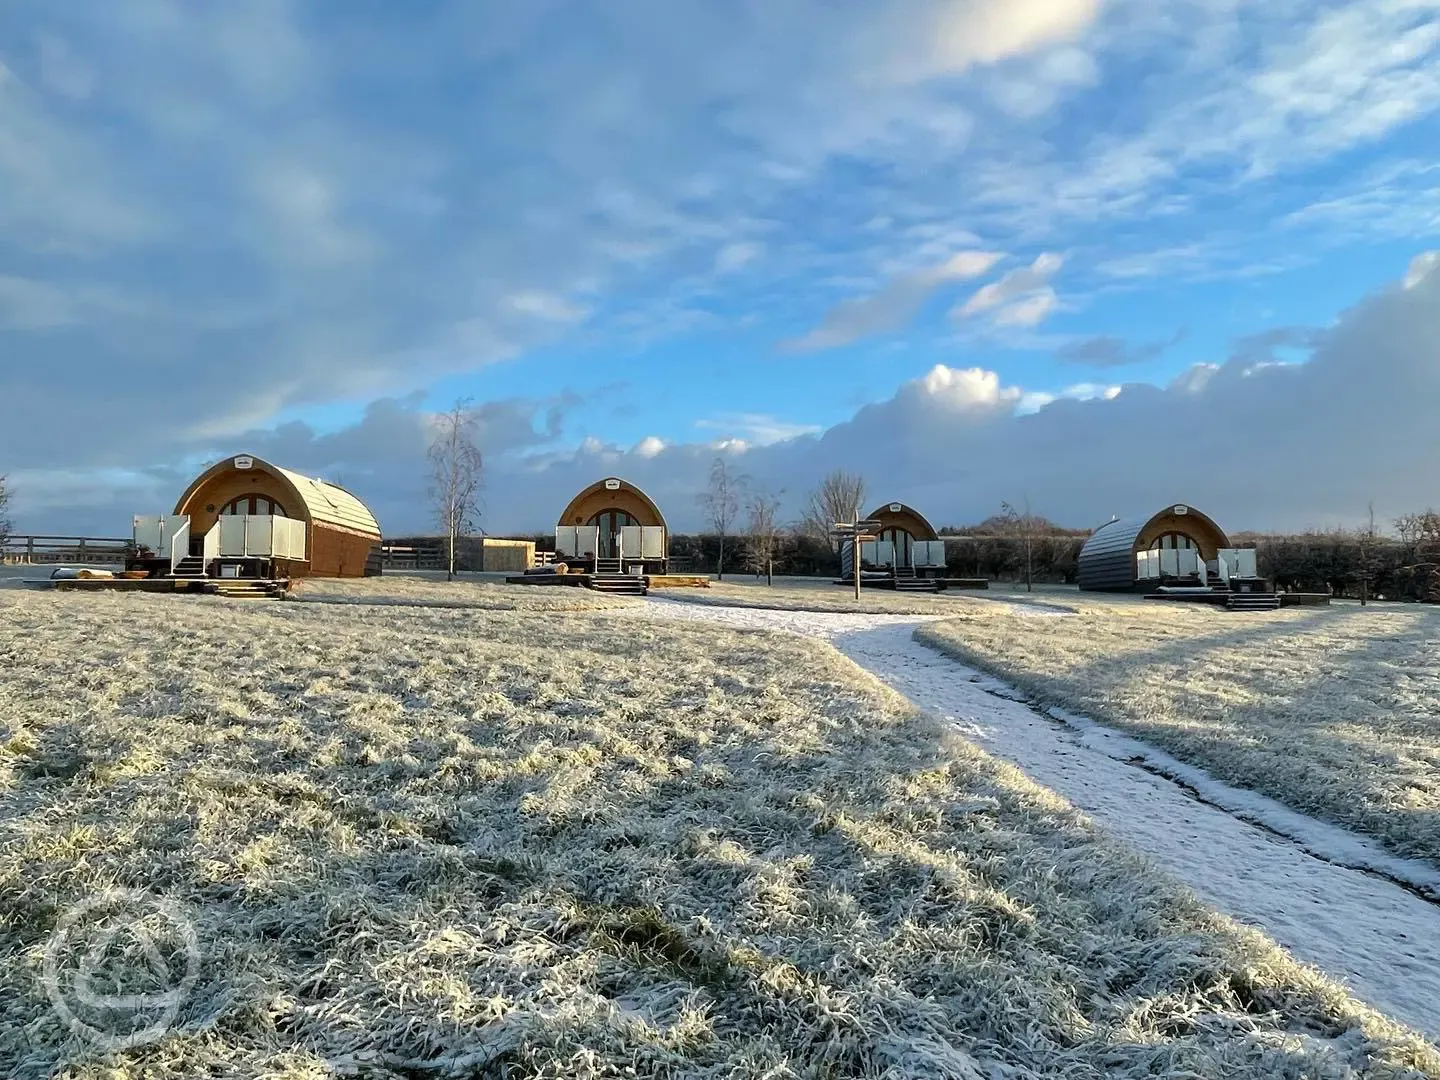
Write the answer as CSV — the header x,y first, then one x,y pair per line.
x,y
894,305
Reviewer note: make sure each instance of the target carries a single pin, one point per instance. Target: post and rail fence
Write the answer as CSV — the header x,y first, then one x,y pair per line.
x,y
35,550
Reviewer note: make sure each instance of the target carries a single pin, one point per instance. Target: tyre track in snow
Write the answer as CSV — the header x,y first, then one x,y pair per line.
x,y
1376,936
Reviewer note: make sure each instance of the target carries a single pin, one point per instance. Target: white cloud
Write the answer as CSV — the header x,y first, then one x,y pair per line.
x,y
988,31
755,429
968,388
547,306
648,447
1031,311
1421,267
736,256
1029,284
894,305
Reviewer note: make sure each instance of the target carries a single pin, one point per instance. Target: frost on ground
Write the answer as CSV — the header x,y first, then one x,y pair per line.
x,y
1334,711
428,842
432,590
822,594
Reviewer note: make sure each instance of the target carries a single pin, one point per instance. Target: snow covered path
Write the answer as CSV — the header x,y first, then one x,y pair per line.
x,y
1374,935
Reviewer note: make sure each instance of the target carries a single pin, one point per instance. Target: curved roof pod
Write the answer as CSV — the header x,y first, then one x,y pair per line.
x,y
1107,559
899,516
303,497
612,493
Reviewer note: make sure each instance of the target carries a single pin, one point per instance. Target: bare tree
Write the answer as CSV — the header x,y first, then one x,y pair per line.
x,y
456,476
1022,526
4,505
839,498
762,508
1368,562
721,502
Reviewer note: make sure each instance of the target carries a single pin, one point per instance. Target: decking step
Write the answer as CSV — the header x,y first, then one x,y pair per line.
x,y
1253,602
618,584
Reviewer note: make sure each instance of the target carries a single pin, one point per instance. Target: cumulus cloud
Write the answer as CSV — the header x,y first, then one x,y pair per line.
x,y
1421,268
1257,446
894,305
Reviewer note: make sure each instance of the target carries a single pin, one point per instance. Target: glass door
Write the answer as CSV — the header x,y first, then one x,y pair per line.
x,y
610,523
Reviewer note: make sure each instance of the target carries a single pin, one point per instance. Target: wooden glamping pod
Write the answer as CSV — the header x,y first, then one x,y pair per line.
x,y
1179,553
907,554
247,518
612,527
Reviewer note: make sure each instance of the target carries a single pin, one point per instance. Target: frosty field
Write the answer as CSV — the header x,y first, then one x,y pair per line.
x,y
418,841
1333,711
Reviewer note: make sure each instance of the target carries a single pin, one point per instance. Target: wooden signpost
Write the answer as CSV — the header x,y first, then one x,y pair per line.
x,y
857,532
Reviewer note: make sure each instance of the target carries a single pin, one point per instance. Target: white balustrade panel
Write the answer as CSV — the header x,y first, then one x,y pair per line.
x,y
147,531
927,553
259,535
629,542
577,541
652,542
232,535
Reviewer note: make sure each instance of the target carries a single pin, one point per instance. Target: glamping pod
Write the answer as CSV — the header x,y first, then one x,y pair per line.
x,y
245,517
612,527
1179,547
907,551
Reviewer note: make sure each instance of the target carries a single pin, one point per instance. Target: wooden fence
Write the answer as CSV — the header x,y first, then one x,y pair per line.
x,y
37,550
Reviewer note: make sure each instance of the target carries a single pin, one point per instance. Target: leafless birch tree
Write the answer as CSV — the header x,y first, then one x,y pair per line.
x,y
456,476
763,508
721,502
4,505
1022,527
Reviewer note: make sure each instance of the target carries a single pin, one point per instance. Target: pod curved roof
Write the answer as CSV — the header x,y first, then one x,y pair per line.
x,y
324,503
618,485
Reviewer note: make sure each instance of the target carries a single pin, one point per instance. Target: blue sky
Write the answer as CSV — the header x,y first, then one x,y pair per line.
x,y
971,248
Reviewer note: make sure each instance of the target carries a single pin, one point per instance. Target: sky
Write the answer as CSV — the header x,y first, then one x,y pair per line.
x,y
1096,256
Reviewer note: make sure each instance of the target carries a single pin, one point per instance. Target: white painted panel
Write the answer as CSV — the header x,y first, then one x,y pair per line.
x,y
884,553
147,531
1246,564
1169,562
867,553
629,542
564,540
169,527
587,540
652,542
1188,559
928,553
259,534
232,535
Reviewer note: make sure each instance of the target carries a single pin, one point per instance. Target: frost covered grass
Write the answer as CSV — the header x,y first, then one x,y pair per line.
x,y
422,842
821,594
432,590
1334,711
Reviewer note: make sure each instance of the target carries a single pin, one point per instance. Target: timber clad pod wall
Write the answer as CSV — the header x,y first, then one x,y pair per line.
x,y
1107,561
342,536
